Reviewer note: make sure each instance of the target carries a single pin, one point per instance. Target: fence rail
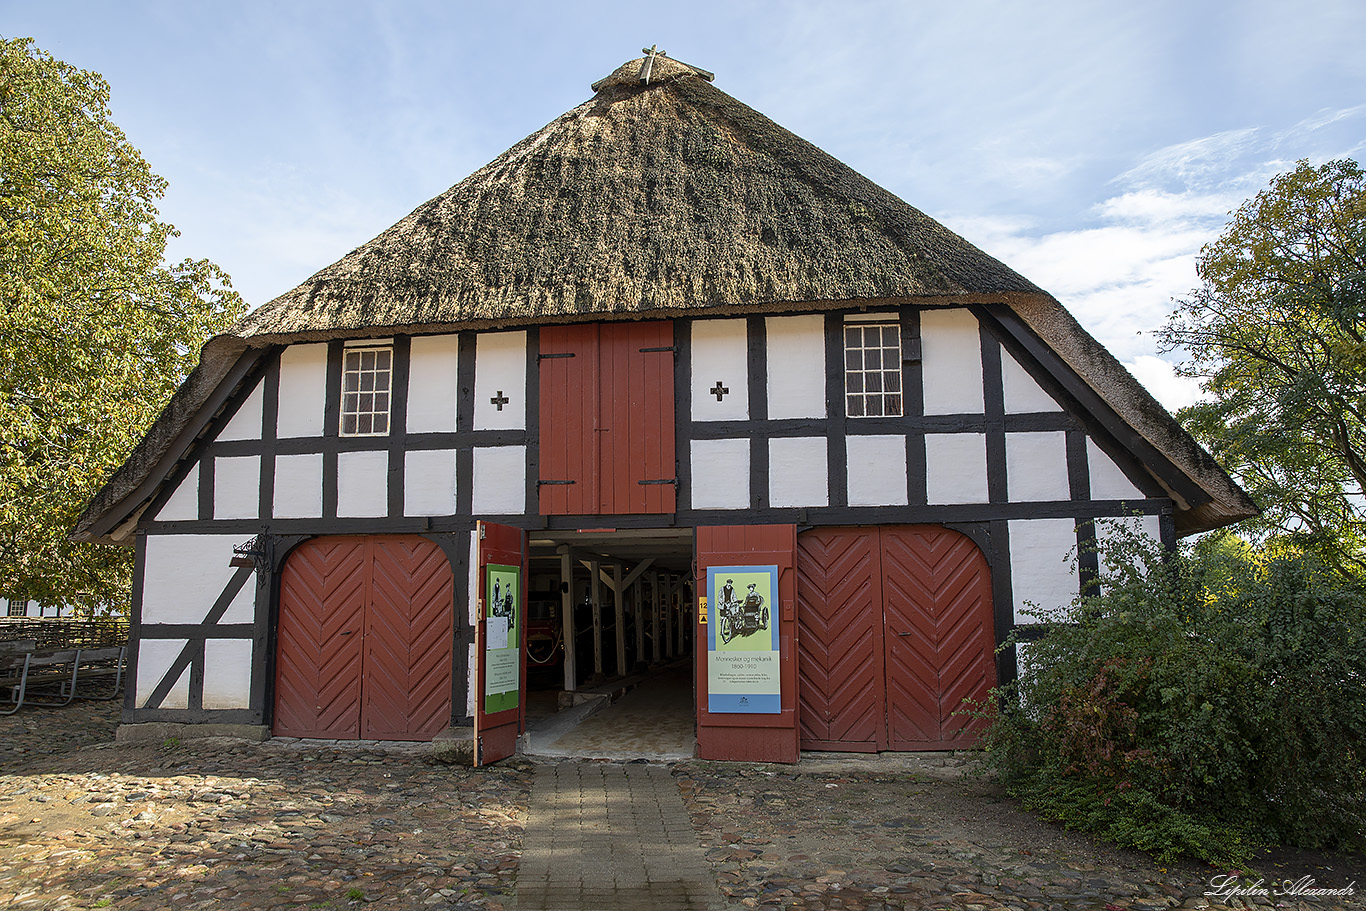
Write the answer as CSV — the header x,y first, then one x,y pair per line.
x,y
65,633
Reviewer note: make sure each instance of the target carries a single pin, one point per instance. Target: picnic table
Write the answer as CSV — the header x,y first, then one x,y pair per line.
x,y
54,676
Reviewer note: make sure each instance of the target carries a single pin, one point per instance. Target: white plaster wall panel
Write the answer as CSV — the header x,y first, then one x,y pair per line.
x,y
1108,482
720,474
183,576
227,674
236,487
720,354
299,486
500,373
363,483
798,473
303,391
1043,568
1023,394
1106,529
951,362
956,468
155,657
876,470
432,384
246,423
429,483
183,505
1036,467
499,481
796,366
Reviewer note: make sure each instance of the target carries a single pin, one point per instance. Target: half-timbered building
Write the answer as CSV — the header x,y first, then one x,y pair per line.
x,y
659,348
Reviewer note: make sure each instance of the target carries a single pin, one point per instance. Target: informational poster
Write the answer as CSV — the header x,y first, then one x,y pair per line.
x,y
743,658
502,637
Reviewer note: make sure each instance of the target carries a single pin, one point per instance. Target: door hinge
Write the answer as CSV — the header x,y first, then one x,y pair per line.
x,y
660,481
673,348
541,357
538,483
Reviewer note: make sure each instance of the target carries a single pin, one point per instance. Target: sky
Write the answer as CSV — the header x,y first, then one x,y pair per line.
x,y
1093,147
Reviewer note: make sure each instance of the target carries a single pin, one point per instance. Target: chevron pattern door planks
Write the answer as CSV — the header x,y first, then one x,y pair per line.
x,y
839,640
940,635
896,630
365,639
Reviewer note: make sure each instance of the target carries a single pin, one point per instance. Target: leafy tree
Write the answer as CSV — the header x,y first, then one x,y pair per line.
x,y
1277,330
96,330
1206,702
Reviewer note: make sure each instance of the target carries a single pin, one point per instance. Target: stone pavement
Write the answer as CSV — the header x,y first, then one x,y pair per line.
x,y
611,836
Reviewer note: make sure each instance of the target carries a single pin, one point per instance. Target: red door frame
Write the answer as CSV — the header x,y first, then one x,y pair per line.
x,y
750,738
495,733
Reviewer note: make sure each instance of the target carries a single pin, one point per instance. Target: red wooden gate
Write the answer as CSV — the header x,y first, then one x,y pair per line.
x,y
365,638
896,631
607,419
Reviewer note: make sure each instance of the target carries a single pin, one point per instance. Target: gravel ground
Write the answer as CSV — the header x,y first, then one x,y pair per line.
x,y
85,823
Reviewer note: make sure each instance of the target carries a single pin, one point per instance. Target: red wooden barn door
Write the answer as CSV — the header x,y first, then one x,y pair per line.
x,y
940,638
607,419
839,621
365,638
318,669
896,631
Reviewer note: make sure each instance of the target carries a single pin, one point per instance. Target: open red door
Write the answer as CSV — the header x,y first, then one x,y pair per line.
x,y
500,662
747,643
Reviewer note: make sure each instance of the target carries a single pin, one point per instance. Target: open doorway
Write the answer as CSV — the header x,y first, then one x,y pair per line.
x,y
610,620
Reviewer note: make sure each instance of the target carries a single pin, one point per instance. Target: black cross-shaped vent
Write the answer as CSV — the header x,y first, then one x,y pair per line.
x,y
718,390
500,400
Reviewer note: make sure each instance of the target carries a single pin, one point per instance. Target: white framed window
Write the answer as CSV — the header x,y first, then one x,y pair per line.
x,y
872,369
367,374
16,608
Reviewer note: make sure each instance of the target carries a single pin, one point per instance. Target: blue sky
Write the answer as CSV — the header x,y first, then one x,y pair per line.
x,y
1092,146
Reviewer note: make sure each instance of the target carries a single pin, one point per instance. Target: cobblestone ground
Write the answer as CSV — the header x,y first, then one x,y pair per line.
x,y
227,824
85,823
899,834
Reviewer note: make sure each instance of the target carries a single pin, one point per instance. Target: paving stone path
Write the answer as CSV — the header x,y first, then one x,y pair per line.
x,y
611,836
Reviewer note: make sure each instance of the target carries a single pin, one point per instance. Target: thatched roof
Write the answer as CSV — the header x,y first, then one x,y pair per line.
x,y
645,200
650,200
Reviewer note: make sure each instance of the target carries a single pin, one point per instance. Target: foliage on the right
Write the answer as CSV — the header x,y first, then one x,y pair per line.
x,y
1202,703
1277,333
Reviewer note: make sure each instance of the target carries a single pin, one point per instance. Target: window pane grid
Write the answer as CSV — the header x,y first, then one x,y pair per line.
x,y
872,370
366,375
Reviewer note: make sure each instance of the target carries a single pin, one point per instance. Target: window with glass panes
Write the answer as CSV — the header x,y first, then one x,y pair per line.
x,y
17,608
872,370
366,375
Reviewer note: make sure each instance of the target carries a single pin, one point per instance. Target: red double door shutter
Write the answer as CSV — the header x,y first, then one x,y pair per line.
x,y
364,639
895,631
607,419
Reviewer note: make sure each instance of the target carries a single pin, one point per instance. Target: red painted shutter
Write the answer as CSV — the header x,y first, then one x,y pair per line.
x,y
607,419
568,419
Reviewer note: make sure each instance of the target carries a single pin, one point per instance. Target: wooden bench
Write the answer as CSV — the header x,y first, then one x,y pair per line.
x,y
54,675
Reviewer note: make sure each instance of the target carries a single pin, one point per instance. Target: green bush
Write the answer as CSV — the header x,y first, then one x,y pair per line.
x,y
1206,701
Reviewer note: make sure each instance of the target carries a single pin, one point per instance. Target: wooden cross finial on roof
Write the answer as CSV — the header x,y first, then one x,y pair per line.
x,y
647,67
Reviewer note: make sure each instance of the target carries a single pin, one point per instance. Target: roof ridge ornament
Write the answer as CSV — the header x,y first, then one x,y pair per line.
x,y
647,66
